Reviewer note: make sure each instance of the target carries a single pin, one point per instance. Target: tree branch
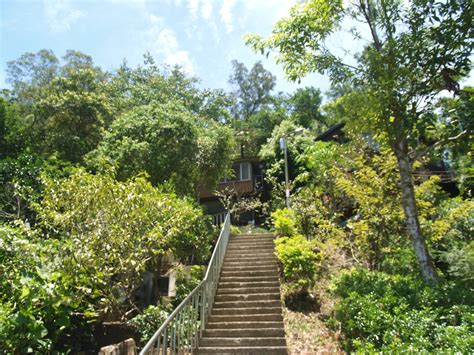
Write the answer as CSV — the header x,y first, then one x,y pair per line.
x,y
417,155
366,11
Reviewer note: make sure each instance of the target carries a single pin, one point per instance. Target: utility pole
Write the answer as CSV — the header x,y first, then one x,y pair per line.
x,y
283,146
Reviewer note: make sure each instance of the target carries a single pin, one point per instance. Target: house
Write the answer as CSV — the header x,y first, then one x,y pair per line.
x,y
333,134
246,180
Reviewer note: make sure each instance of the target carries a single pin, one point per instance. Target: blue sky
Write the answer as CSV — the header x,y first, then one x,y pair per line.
x,y
201,35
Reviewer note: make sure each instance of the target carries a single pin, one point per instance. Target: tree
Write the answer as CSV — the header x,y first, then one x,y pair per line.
x,y
416,50
306,104
131,87
30,73
252,88
167,142
62,104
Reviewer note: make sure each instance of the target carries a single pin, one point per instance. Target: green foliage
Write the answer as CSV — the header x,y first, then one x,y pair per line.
x,y
394,76
299,38
252,89
149,320
40,309
372,188
299,260
117,230
306,111
63,109
185,282
380,312
234,229
284,222
20,182
167,142
158,139
274,157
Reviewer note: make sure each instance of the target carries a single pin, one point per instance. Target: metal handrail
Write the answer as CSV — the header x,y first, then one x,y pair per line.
x,y
180,332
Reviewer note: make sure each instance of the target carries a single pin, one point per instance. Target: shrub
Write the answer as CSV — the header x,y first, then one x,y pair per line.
x,y
298,260
393,313
148,322
185,283
119,230
284,222
39,308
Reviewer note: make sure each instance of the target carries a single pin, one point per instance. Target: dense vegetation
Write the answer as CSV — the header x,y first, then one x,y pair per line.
x,y
100,173
403,171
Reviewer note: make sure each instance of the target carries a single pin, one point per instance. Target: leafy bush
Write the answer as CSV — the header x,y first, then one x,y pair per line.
x,y
40,308
85,257
185,283
148,322
381,312
284,222
299,261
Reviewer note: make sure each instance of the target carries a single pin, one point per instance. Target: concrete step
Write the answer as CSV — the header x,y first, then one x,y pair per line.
x,y
249,273
236,310
238,333
253,236
248,284
247,304
264,263
246,290
248,350
247,297
245,325
251,249
248,279
249,267
258,246
220,341
252,242
246,317
237,258
250,255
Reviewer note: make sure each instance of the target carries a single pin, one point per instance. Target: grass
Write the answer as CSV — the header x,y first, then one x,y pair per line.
x,y
304,315
306,333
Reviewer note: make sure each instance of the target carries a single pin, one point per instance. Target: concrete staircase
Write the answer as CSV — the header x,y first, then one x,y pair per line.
x,y
246,317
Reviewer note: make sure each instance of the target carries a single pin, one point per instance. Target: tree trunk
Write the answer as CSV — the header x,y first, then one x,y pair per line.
x,y
411,214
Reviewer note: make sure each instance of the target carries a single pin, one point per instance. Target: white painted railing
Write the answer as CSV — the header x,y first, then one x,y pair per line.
x,y
180,333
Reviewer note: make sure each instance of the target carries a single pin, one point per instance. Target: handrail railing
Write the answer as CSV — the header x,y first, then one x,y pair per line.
x,y
180,332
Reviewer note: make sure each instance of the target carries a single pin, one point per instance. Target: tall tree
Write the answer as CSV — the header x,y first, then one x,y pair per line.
x,y
306,104
416,50
252,88
62,104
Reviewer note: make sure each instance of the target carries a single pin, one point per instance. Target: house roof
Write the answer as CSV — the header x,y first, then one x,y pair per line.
x,y
327,135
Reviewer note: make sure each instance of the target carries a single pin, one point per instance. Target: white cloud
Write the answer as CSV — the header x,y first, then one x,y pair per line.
x,y
200,7
181,58
206,9
162,41
193,7
60,14
226,14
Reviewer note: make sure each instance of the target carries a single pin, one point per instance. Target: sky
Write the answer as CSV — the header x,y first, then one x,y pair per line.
x,y
203,36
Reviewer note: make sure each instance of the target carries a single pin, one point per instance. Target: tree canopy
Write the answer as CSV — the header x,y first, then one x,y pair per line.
x,y
411,57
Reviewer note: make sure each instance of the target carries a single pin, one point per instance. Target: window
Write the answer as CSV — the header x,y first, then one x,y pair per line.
x,y
241,173
244,171
164,285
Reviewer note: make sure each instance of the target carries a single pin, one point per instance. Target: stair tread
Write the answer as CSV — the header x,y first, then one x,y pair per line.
x,y
247,313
